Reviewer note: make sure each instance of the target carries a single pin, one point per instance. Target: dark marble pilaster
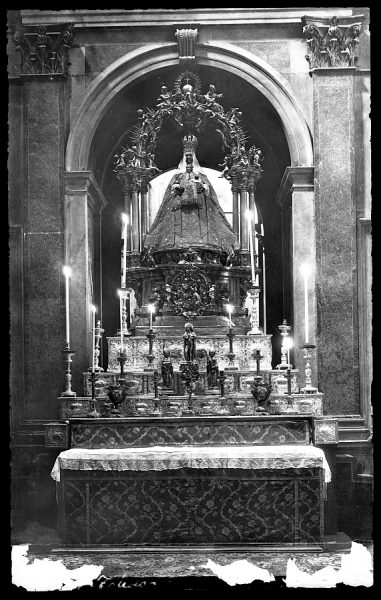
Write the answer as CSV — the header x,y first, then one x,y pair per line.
x,y
43,156
84,202
336,252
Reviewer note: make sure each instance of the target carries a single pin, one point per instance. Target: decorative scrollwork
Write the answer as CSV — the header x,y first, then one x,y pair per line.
x,y
331,44
191,112
43,53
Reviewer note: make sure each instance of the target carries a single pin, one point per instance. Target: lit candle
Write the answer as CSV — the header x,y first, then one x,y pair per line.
x,y
67,273
305,271
93,354
121,319
151,310
124,228
289,344
251,246
229,308
264,281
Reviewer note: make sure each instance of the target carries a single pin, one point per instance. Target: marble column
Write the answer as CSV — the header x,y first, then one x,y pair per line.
x,y
336,253
84,203
297,188
243,225
235,207
135,225
127,210
143,212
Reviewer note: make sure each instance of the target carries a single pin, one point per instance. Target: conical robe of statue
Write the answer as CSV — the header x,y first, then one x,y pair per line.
x,y
190,215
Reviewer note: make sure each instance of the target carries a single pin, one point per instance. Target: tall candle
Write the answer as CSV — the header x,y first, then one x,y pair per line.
x,y
229,308
121,320
305,272
251,246
67,273
93,338
125,222
150,308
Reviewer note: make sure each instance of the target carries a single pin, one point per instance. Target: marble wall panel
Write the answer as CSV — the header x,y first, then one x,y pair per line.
x,y
44,148
336,241
276,53
44,323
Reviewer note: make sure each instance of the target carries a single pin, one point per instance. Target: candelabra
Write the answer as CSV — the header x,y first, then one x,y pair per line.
x,y
150,355
124,323
117,393
260,390
308,389
284,362
156,408
252,304
222,378
97,337
231,356
68,354
94,414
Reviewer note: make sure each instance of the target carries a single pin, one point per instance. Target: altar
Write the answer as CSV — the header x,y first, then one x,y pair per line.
x,y
226,490
193,435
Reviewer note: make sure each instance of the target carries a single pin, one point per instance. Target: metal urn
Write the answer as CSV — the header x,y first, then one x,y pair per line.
x,y
261,392
117,394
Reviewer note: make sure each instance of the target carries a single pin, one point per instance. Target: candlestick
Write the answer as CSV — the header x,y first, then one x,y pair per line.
x,y
284,329
93,339
93,414
305,271
67,272
98,335
308,389
124,235
121,318
68,354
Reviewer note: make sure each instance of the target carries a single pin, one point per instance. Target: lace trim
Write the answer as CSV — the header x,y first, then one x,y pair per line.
x,y
152,459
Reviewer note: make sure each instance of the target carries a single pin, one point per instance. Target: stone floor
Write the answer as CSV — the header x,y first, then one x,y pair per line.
x,y
168,564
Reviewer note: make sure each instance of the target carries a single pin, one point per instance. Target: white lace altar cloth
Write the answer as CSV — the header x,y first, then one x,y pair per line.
x,y
162,458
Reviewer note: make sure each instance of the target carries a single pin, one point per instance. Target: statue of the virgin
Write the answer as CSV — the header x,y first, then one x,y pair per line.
x,y
190,215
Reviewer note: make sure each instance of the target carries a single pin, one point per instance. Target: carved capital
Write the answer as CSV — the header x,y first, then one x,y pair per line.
x,y
44,53
332,42
186,40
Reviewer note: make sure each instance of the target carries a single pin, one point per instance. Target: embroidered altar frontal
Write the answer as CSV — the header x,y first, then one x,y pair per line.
x,y
191,506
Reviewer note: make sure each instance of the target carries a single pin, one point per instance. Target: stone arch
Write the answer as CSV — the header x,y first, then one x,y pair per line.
x,y
222,56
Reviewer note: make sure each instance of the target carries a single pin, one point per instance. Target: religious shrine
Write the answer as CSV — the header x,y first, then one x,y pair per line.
x,y
208,372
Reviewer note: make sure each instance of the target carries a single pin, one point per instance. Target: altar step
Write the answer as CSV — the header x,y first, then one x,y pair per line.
x,y
330,543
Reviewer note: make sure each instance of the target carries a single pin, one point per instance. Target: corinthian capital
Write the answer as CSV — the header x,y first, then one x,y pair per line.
x,y
332,42
43,53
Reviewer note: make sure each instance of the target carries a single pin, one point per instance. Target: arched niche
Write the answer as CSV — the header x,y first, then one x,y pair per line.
x,y
109,110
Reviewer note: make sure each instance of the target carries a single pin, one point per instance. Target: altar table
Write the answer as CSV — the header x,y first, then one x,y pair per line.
x,y
191,495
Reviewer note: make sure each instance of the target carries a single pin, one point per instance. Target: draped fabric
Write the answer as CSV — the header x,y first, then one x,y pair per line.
x,y
192,220
161,458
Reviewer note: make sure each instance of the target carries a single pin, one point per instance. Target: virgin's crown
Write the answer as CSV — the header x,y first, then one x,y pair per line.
x,y
190,143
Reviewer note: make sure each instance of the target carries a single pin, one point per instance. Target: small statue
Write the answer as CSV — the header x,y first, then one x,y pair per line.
x,y
212,369
147,259
189,343
255,155
232,258
212,294
227,164
164,100
167,370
